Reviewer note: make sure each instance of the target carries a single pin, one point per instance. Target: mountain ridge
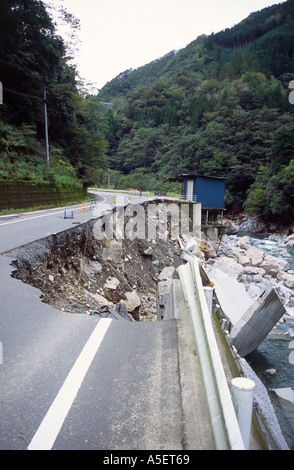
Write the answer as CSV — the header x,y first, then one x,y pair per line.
x,y
261,23
219,107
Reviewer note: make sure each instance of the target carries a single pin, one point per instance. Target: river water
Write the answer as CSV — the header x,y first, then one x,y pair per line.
x,y
275,352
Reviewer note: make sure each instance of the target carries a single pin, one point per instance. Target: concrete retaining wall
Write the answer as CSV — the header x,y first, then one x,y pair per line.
x,y
23,195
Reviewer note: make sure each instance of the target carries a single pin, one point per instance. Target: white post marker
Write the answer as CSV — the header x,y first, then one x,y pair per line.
x,y
208,292
291,95
242,396
49,428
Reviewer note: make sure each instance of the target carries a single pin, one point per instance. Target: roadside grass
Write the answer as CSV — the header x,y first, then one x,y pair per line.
x,y
73,202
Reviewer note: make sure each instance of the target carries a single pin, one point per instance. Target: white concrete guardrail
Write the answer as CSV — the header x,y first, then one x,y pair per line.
x,y
119,191
224,422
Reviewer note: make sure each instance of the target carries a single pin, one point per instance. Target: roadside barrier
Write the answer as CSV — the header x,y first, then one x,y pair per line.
x,y
224,422
120,191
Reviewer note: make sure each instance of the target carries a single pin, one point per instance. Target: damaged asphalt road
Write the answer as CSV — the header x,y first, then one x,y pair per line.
x,y
80,271
47,288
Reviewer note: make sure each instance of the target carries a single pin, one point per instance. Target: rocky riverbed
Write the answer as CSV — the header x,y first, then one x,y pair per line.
x,y
252,263
259,264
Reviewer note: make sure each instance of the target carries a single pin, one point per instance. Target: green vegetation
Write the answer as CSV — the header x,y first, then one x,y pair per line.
x,y
33,55
219,107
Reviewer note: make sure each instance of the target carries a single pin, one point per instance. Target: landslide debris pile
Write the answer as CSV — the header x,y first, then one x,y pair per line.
x,y
83,270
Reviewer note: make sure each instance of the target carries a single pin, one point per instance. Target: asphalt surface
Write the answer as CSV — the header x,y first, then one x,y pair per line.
x,y
19,229
126,397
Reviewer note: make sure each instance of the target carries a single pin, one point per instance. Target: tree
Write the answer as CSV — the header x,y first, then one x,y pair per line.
x,y
282,147
32,54
29,52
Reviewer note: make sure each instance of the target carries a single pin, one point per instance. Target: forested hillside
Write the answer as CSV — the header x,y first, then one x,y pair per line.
x,y
32,56
219,107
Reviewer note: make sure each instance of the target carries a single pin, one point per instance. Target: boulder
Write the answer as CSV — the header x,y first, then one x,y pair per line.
x,y
257,278
254,291
288,280
272,265
290,240
284,292
207,249
244,242
285,397
111,283
191,244
255,255
148,251
200,255
133,301
199,248
244,260
101,300
253,224
230,227
230,267
254,270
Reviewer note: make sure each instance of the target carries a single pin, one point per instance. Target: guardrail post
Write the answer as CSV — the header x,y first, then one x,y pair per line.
x,y
242,396
208,291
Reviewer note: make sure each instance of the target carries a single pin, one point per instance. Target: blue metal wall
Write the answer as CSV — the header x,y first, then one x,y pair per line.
x,y
209,191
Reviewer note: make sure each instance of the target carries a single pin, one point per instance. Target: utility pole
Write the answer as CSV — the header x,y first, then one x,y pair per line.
x,y
46,128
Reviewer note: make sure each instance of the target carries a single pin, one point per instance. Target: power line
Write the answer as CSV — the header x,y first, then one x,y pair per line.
x,y
23,94
17,65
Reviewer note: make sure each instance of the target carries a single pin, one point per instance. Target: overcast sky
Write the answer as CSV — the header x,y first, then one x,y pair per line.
x,y
117,35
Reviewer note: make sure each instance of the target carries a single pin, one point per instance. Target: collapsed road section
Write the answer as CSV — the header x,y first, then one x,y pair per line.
x,y
94,268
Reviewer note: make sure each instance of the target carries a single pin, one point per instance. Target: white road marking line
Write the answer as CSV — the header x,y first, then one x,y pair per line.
x,y
54,418
31,218
44,215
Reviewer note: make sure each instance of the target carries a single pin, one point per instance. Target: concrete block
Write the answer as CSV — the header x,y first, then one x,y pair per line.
x,y
176,301
163,292
256,323
167,273
231,294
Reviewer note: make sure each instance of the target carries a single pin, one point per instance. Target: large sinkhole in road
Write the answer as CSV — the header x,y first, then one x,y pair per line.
x,y
85,270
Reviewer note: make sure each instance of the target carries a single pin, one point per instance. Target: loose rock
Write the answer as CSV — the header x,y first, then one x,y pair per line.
x,y
133,301
255,255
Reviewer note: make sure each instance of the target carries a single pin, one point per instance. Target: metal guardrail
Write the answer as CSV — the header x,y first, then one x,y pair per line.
x,y
224,423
